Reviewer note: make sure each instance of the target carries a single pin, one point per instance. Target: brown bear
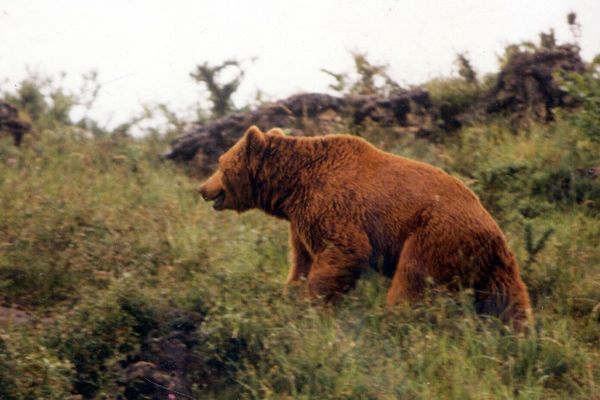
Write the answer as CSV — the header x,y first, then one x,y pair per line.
x,y
352,206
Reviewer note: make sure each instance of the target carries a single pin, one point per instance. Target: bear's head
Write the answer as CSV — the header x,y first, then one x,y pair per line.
x,y
231,186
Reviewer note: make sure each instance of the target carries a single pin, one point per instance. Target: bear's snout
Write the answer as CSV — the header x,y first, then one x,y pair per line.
x,y
209,193
203,192
212,190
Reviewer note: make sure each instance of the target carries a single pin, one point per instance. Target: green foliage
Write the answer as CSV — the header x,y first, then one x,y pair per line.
x,y
219,93
465,69
453,96
367,78
67,220
533,247
540,168
547,41
29,369
98,334
586,89
49,105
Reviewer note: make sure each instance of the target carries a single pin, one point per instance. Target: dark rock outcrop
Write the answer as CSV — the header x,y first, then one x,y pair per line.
x,y
11,123
161,365
302,114
527,87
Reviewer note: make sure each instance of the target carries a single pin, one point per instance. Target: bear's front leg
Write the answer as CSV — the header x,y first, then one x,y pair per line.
x,y
336,269
300,258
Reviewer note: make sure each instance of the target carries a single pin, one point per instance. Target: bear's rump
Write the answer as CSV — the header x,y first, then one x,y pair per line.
x,y
452,254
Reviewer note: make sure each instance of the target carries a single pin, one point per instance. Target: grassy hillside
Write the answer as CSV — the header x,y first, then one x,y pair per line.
x,y
116,278
99,240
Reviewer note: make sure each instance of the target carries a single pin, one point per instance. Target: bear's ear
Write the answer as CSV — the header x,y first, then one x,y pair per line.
x,y
254,137
276,132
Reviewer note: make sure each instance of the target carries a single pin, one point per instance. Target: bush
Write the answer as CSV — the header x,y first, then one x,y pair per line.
x,y
585,88
99,334
29,369
78,214
453,97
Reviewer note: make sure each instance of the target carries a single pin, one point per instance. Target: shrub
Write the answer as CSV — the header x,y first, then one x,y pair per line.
x,y
585,88
29,369
99,334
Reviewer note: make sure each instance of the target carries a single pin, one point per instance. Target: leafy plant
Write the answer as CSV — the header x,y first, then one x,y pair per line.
x,y
367,78
30,370
585,88
220,94
532,246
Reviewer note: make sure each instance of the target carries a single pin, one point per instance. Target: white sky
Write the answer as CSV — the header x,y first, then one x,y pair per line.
x,y
144,50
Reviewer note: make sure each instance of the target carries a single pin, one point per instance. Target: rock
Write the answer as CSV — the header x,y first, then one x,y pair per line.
x,y
160,367
526,86
14,316
302,114
11,123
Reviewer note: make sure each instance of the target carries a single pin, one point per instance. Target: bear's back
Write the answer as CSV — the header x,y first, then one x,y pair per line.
x,y
358,161
388,191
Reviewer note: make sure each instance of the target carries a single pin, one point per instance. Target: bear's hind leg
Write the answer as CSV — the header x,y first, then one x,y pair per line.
x,y
409,280
504,296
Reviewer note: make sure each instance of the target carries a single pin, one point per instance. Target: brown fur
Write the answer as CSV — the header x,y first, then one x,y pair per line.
x,y
352,206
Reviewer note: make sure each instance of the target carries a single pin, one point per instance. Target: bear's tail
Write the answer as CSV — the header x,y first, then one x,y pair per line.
x,y
503,294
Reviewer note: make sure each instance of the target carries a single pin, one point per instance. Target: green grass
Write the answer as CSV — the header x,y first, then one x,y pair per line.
x,y
99,237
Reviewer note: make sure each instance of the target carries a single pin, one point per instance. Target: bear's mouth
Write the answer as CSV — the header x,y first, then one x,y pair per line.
x,y
219,201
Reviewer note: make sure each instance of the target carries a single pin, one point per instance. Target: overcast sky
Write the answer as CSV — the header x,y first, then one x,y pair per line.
x,y
145,50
